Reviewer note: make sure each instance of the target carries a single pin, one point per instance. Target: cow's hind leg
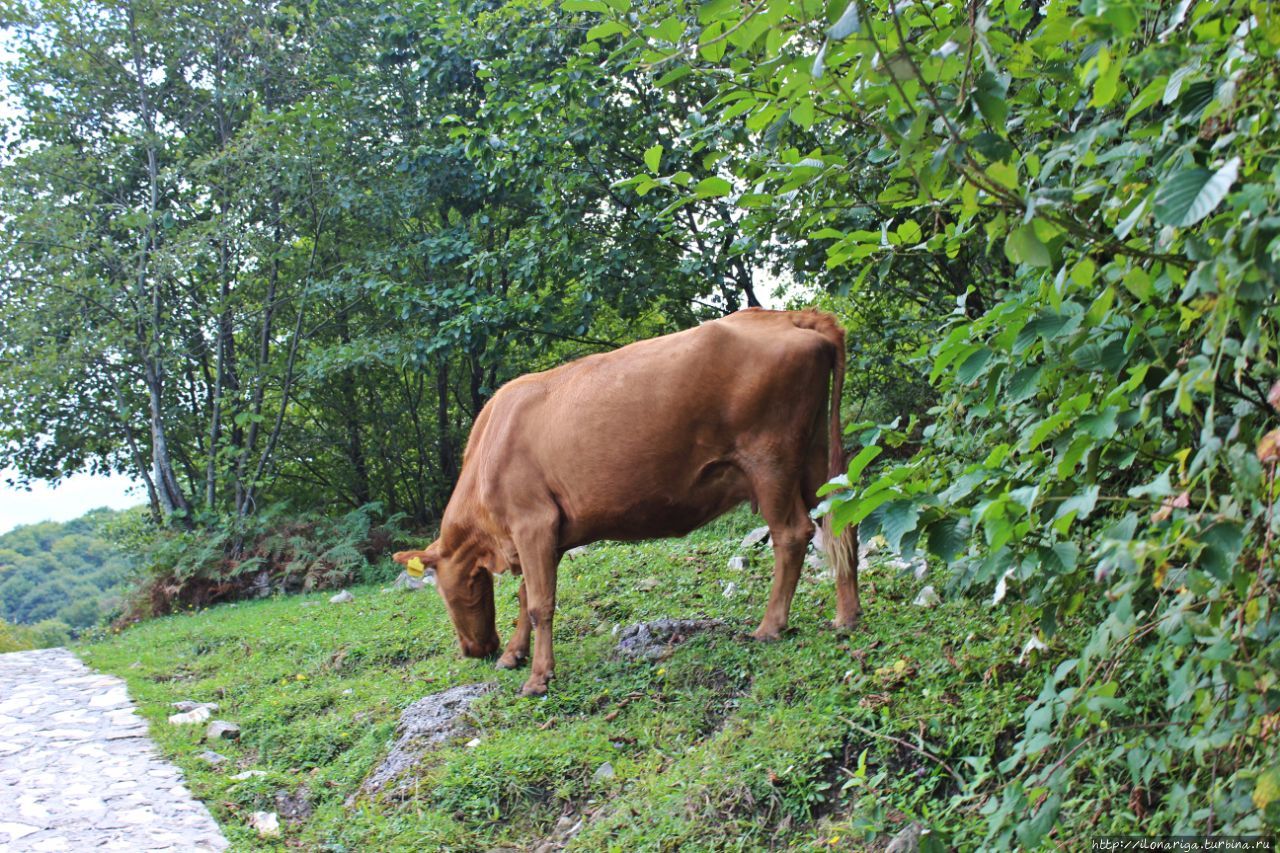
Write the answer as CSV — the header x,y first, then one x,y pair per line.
x,y
791,528
518,648
538,560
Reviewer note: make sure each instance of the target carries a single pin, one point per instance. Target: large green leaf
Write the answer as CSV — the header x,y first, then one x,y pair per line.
x,y
1189,196
1023,246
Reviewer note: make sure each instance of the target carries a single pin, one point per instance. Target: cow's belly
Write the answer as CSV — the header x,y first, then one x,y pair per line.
x,y
654,512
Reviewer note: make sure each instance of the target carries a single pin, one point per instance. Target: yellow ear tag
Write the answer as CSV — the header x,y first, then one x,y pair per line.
x,y
414,567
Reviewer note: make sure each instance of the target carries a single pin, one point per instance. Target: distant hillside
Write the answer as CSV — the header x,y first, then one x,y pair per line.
x,y
64,573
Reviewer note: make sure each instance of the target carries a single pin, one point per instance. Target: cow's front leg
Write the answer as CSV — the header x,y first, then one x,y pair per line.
x,y
518,648
538,560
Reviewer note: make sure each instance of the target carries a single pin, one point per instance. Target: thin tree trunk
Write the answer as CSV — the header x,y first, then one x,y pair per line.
x,y
168,492
444,441
265,459
259,385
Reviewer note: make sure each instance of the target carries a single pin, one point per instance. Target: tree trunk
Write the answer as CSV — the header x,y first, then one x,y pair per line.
x,y
168,492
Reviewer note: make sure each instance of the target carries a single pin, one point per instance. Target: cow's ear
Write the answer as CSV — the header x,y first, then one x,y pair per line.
x,y
429,557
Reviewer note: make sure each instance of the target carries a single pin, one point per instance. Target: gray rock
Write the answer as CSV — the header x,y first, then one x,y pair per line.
x,y
907,840
409,583
425,725
195,715
266,823
654,640
187,705
295,806
647,584
928,597
249,774
212,758
755,537
342,598
730,590
604,771
574,553
221,729
739,563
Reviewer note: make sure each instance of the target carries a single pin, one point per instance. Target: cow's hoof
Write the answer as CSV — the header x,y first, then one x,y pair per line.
x,y
510,660
847,624
535,686
766,635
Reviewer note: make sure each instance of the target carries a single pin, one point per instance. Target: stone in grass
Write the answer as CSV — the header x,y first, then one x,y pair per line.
x,y
195,715
425,725
654,640
574,553
730,590
647,584
408,583
755,537
187,705
739,563
294,806
249,774
212,758
604,771
907,840
221,729
928,597
266,823
342,598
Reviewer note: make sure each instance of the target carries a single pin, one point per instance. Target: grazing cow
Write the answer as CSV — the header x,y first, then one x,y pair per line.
x,y
651,440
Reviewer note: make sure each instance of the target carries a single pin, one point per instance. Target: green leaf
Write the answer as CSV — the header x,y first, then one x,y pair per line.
x,y
947,536
1147,97
1104,87
847,24
802,113
677,73
1043,429
584,6
653,158
972,366
713,188
1266,790
897,520
1078,506
862,460
605,30
852,512
1189,196
993,108
1022,246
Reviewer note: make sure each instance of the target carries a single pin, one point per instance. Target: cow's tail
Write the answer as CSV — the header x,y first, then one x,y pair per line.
x,y
842,550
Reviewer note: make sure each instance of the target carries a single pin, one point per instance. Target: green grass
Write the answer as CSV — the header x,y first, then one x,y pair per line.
x,y
728,744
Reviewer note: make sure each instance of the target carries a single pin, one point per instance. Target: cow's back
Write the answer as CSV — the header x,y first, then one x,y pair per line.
x,y
656,438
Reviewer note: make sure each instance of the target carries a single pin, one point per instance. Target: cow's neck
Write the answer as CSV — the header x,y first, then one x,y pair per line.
x,y
469,536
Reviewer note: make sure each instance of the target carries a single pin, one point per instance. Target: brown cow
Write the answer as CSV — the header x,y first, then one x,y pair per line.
x,y
651,440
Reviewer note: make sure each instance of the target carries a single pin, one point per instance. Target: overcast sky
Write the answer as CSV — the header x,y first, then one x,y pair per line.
x,y
72,498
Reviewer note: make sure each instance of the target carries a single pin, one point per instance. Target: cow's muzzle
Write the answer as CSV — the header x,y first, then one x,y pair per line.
x,y
480,650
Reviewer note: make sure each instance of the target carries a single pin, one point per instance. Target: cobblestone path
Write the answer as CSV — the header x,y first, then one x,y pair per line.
x,y
77,770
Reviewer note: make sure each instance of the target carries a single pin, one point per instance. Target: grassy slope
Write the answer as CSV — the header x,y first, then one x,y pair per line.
x,y
728,744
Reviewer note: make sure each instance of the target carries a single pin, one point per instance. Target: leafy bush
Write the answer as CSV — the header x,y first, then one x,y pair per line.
x,y
272,551
1102,449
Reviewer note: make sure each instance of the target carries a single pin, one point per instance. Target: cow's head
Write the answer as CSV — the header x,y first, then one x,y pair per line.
x,y
467,590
